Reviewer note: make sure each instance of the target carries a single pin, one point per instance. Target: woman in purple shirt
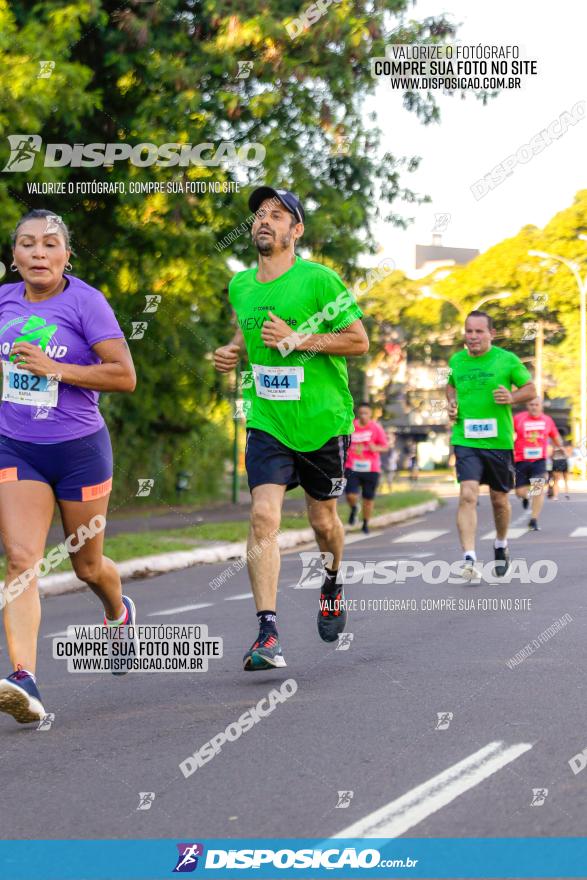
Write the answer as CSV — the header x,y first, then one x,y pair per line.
x,y
60,345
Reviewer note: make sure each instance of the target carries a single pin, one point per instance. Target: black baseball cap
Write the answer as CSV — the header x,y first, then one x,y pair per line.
x,y
289,201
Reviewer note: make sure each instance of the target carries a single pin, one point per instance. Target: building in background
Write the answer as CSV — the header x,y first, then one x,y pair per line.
x,y
436,256
411,393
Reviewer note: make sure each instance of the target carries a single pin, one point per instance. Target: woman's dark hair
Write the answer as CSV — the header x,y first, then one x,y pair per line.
x,y
54,224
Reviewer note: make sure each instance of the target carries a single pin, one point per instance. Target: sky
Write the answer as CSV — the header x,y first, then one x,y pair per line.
x,y
471,139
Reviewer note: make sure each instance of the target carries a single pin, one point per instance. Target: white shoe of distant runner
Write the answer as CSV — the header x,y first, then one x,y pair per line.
x,y
469,571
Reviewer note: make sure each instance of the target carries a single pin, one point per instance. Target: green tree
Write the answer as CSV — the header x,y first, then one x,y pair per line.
x,y
430,313
169,73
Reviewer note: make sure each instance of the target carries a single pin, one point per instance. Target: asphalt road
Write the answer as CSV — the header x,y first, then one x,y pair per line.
x,y
363,720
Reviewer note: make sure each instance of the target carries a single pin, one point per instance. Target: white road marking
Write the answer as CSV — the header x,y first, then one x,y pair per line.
x,y
179,609
240,596
580,532
512,534
398,816
312,583
420,537
387,556
55,635
352,538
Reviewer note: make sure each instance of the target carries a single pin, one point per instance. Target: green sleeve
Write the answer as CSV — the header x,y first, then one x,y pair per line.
x,y
450,380
337,303
231,290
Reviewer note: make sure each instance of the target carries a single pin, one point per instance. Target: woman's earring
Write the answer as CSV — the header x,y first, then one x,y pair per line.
x,y
68,266
13,267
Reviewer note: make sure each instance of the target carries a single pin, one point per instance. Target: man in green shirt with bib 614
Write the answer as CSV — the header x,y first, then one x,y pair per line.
x,y
480,398
297,324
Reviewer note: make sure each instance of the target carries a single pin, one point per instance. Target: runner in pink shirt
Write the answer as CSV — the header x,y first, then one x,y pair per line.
x,y
363,464
533,429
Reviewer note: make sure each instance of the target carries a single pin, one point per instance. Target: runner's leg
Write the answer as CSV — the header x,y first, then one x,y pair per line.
x,y
467,514
26,510
537,500
367,508
353,488
322,476
501,513
89,562
555,483
263,556
263,564
352,498
329,530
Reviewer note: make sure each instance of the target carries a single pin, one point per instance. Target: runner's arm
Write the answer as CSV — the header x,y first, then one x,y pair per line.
x,y
504,397
115,373
558,443
524,393
451,397
227,356
381,445
352,340
238,339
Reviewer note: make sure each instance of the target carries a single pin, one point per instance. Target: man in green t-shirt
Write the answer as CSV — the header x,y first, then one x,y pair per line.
x,y
297,323
480,399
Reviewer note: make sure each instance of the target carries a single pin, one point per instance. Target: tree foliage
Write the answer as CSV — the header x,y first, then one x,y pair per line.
x,y
430,312
147,72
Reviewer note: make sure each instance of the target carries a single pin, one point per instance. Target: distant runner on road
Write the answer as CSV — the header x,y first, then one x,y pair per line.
x,y
389,461
363,464
480,398
297,324
560,471
533,428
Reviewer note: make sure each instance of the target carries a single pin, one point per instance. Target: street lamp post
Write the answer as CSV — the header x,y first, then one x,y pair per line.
x,y
430,294
494,296
538,349
582,285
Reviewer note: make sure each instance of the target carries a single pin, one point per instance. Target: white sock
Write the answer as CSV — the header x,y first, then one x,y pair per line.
x,y
500,544
471,554
119,620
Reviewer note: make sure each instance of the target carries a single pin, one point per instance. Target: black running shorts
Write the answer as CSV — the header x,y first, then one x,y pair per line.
x,y
365,483
492,467
526,471
320,473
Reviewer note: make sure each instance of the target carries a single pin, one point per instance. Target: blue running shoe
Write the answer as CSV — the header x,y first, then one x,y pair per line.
x,y
265,653
502,560
332,615
131,649
20,697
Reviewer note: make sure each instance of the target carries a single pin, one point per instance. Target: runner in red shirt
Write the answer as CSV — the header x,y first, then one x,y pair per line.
x,y
363,464
533,429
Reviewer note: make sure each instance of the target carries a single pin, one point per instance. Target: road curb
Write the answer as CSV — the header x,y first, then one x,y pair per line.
x,y
148,566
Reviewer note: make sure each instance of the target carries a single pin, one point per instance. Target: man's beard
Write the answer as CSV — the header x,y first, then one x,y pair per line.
x,y
267,246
